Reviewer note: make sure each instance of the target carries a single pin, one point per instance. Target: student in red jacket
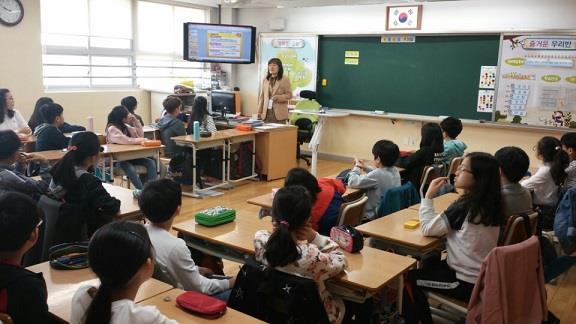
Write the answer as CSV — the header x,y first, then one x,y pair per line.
x,y
326,195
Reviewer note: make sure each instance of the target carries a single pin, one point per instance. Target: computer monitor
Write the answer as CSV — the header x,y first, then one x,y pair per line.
x,y
223,102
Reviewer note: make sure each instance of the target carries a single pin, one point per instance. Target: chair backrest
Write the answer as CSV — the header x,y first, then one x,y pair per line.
x,y
395,199
454,165
351,212
516,231
305,129
276,297
51,213
5,319
305,104
430,173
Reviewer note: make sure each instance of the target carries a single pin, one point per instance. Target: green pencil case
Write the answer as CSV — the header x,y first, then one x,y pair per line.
x,y
215,216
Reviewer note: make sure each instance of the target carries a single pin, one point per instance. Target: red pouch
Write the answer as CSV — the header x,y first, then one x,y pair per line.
x,y
200,304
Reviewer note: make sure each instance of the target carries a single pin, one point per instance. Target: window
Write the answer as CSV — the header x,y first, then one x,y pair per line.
x,y
159,46
93,46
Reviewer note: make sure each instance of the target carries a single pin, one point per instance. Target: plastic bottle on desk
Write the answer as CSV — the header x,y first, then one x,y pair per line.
x,y
196,131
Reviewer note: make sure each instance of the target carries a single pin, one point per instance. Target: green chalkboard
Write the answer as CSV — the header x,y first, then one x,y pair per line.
x,y
434,76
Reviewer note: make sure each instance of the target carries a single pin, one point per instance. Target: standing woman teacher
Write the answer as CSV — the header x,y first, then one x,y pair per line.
x,y
274,94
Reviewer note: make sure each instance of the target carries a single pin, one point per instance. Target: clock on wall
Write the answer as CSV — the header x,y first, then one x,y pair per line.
x,y
11,12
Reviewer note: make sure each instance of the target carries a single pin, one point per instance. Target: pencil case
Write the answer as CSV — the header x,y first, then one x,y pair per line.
x,y
200,304
347,237
215,216
243,127
151,143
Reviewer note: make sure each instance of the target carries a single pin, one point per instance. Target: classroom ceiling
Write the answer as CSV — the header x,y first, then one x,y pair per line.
x,y
300,3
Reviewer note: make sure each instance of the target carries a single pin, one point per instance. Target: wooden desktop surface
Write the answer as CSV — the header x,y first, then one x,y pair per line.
x,y
128,204
62,284
166,304
370,269
109,149
216,136
391,228
441,203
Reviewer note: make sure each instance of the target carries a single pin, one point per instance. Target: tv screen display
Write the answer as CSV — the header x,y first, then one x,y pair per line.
x,y
215,43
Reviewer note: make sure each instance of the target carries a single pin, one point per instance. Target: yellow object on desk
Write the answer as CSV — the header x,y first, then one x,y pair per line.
x,y
412,224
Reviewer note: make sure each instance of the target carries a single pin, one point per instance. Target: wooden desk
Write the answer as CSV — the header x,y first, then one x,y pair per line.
x,y
276,149
368,270
166,304
30,144
62,284
390,230
151,132
441,203
128,204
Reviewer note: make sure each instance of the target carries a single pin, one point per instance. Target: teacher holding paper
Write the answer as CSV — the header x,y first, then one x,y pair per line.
x,y
274,94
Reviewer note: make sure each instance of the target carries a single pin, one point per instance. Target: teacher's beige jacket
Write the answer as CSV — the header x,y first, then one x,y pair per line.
x,y
281,89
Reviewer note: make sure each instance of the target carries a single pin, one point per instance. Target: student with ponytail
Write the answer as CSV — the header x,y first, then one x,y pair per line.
x,y
87,202
120,254
551,174
294,247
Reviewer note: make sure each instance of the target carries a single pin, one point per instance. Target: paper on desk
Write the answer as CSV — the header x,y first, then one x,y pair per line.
x,y
269,126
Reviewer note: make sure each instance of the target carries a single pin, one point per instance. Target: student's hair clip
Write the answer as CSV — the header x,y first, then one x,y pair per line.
x,y
72,148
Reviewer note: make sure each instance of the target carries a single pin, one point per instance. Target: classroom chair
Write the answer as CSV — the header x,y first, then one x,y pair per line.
x,y
276,297
430,173
395,199
454,165
305,122
118,172
351,212
518,228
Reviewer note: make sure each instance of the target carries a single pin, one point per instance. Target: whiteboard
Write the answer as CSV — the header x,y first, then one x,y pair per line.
x,y
537,80
298,53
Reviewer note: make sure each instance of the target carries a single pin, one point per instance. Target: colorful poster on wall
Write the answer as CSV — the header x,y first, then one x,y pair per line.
x,y
537,80
298,54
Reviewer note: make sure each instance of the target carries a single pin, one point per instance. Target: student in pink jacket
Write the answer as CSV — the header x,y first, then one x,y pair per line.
x,y
124,128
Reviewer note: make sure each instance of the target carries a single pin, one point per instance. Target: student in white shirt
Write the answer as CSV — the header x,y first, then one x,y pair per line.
x,y
10,118
471,226
377,179
160,203
120,253
544,183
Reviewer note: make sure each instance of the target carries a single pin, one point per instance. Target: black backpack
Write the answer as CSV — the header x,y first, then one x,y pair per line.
x,y
276,297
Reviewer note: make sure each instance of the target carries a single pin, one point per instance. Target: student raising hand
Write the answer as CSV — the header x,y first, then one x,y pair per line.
x,y
435,186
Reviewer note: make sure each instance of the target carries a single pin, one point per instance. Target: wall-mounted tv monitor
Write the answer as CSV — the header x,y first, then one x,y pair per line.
x,y
215,43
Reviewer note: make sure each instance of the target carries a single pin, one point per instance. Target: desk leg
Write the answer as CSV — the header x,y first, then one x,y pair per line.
x,y
315,142
194,169
400,293
228,149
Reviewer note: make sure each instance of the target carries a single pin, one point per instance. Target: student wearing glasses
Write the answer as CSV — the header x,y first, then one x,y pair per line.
x,y
471,226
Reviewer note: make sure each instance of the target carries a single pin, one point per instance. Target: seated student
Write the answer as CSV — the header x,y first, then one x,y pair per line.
x,y
131,104
514,163
10,178
24,291
471,226
451,128
201,115
170,126
124,128
431,152
10,118
160,203
48,135
378,179
37,118
90,205
568,141
120,254
325,195
294,247
544,183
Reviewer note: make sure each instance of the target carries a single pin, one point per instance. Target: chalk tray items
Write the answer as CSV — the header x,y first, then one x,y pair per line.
x,y
215,216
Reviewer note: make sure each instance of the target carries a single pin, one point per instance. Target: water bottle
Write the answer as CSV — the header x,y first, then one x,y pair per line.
x,y
90,127
196,131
